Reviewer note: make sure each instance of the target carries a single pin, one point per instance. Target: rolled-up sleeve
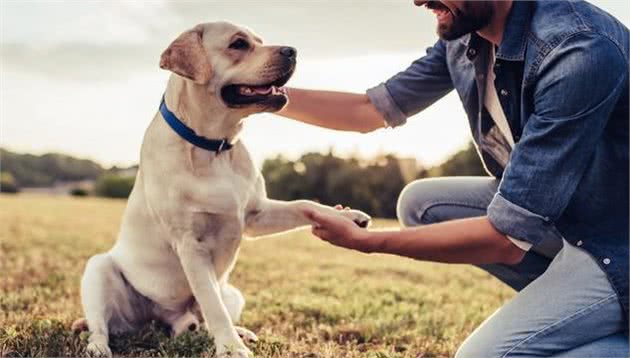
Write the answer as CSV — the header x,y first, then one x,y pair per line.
x,y
518,222
560,137
384,103
425,81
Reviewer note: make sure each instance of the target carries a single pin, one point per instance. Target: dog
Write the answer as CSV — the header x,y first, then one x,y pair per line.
x,y
197,194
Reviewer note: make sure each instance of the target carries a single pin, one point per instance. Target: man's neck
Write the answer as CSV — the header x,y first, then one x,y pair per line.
x,y
494,31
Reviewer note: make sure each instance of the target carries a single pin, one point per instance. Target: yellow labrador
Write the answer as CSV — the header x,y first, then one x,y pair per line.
x,y
196,194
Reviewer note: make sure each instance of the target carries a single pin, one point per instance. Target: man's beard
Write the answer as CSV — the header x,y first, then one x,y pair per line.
x,y
475,16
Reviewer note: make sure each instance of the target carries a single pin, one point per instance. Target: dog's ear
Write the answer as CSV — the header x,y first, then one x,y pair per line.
x,y
187,57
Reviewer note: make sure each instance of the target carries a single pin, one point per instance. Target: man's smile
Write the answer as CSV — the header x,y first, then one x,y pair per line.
x,y
441,11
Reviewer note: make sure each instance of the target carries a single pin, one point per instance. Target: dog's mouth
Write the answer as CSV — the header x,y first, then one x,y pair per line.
x,y
241,95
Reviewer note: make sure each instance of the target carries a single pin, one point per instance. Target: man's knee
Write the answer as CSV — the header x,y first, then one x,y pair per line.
x,y
413,202
476,346
467,350
434,200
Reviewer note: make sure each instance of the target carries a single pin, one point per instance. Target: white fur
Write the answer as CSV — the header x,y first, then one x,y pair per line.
x,y
187,213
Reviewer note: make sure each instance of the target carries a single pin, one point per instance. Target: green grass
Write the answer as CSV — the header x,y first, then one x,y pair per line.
x,y
305,298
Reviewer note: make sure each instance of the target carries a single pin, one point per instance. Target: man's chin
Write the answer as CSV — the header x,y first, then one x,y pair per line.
x,y
458,25
449,32
447,35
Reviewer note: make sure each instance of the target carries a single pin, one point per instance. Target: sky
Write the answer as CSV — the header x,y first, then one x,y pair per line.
x,y
82,77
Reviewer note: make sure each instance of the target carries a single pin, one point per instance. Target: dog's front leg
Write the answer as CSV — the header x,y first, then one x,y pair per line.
x,y
198,267
275,216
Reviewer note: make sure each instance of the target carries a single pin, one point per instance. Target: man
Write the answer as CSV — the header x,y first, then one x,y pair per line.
x,y
545,89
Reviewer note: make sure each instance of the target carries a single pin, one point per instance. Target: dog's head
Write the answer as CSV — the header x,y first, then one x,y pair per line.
x,y
232,62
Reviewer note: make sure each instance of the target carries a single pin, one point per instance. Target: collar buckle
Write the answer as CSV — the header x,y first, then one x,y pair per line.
x,y
222,145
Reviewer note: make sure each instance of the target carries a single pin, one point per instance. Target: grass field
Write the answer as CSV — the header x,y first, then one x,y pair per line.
x,y
305,298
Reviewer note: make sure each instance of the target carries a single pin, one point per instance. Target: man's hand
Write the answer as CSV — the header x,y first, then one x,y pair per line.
x,y
340,231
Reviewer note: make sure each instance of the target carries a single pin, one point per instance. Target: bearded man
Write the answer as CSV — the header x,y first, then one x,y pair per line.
x,y
544,85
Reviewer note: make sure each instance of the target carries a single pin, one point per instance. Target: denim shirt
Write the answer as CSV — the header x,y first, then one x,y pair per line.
x,y
562,80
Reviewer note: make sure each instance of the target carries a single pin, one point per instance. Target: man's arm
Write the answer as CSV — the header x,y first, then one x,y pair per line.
x,y
334,110
389,104
473,241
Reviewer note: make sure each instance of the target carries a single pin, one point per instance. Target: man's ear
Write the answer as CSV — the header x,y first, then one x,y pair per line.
x,y
187,57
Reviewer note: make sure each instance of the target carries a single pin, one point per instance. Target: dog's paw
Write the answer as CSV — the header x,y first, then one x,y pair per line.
x,y
246,335
232,347
360,218
97,349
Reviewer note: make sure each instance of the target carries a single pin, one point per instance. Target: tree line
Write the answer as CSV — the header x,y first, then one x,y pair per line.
x,y
19,171
369,185
30,170
372,186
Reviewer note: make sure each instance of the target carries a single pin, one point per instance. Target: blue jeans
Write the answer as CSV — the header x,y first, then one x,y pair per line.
x,y
565,307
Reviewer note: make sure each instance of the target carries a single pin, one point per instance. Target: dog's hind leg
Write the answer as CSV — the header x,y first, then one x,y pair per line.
x,y
234,303
233,300
179,321
106,301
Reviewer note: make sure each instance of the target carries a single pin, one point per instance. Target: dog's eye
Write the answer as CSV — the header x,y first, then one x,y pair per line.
x,y
239,44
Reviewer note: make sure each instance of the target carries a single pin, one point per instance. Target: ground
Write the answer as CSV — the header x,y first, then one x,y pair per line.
x,y
305,298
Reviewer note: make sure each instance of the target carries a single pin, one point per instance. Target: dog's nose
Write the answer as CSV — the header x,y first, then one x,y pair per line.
x,y
289,52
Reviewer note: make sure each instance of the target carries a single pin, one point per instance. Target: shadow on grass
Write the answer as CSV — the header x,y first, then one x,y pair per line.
x,y
52,338
46,338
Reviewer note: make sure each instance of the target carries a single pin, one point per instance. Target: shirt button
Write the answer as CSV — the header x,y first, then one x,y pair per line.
x,y
579,243
606,261
504,92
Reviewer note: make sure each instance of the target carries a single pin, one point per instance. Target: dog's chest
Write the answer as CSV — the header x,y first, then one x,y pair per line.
x,y
232,172
222,237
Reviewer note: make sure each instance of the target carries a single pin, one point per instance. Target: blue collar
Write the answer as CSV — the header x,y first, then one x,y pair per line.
x,y
213,145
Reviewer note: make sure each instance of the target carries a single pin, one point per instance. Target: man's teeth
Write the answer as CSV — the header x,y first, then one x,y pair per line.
x,y
441,13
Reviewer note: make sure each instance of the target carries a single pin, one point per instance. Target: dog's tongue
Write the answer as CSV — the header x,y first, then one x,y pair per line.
x,y
263,89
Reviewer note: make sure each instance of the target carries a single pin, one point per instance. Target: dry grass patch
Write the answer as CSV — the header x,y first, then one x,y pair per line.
x,y
305,298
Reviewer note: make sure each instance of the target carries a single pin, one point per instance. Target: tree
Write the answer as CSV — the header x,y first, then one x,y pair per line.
x,y
463,163
372,187
8,183
114,186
